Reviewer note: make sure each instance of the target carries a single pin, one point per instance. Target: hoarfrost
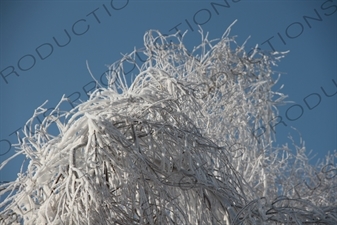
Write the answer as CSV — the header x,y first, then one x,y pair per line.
x,y
174,147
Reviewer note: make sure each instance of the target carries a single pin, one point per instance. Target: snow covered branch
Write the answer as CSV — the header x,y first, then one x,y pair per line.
x,y
174,147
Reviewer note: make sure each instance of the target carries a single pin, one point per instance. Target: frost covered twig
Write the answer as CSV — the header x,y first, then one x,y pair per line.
x,y
174,147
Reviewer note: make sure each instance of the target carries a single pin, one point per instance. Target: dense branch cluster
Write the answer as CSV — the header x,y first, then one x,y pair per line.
x,y
174,147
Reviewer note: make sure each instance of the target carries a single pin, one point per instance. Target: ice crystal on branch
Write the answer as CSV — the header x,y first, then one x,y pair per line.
x,y
174,147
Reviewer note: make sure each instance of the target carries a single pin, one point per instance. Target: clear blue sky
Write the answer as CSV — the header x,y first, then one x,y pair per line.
x,y
44,46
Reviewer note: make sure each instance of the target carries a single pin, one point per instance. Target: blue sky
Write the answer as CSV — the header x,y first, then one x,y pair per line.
x,y
44,46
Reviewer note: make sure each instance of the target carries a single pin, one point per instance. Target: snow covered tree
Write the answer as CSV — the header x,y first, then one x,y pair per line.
x,y
174,147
